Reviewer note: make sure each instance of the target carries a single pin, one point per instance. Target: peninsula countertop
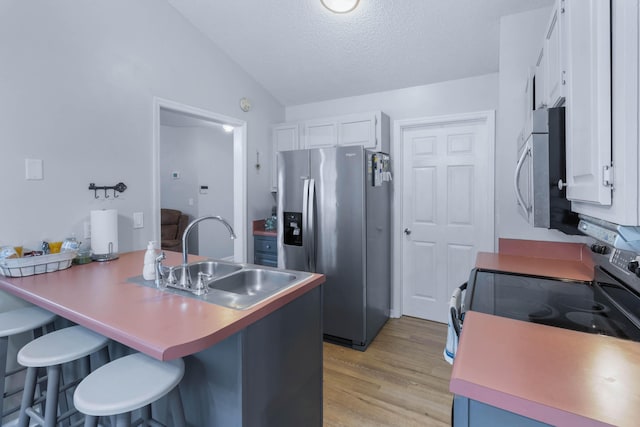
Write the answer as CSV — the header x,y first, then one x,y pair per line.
x,y
160,324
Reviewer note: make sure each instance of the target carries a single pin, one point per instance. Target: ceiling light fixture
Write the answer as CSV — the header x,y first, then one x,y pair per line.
x,y
340,6
227,128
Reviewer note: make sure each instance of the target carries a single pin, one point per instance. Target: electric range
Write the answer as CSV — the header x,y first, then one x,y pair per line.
x,y
610,305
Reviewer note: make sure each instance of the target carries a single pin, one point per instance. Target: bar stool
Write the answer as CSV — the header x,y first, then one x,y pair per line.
x,y
15,322
129,383
51,351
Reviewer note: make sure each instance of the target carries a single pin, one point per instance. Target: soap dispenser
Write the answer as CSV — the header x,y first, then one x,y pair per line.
x,y
149,271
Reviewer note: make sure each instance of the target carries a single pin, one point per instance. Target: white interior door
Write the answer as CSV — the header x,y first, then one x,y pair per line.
x,y
447,210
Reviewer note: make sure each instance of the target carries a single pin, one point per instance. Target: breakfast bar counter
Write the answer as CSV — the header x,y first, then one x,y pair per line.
x,y
253,367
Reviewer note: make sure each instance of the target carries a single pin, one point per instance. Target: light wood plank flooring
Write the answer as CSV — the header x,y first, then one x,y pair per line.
x,y
401,380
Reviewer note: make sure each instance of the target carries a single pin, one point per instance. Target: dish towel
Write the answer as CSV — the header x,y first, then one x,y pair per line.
x,y
452,335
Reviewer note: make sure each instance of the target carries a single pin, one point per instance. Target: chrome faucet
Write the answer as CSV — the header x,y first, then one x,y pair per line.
x,y
185,279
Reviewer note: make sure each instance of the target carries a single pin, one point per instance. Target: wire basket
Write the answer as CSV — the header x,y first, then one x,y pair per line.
x,y
21,267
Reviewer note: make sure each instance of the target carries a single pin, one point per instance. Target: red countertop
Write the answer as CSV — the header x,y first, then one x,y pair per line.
x,y
160,324
258,229
557,376
550,259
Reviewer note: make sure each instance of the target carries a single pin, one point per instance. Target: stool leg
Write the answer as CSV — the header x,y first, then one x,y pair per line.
x,y
90,421
27,396
145,414
175,405
123,420
51,407
4,347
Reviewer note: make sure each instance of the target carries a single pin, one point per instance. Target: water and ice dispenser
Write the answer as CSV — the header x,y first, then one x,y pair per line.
x,y
293,228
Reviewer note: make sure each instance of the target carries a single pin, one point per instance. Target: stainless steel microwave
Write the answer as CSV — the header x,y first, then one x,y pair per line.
x,y
541,172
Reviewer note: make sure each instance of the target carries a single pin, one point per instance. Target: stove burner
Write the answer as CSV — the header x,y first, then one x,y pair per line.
x,y
598,323
583,304
527,310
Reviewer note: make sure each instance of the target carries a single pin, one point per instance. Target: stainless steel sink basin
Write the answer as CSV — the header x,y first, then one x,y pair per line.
x,y
253,282
211,268
237,286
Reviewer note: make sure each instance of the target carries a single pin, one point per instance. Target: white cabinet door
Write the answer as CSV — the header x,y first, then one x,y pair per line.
x,y
625,78
554,91
588,100
284,138
358,129
540,96
320,133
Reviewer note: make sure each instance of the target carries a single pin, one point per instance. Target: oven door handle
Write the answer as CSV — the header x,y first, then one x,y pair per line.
x,y
455,307
516,178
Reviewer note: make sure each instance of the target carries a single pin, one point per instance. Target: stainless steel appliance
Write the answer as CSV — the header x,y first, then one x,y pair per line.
x,y
334,219
541,172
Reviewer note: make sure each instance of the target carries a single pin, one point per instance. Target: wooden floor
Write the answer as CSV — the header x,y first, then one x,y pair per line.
x,y
401,380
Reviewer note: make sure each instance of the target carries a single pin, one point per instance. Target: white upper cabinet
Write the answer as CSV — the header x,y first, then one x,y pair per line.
x,y
554,81
588,100
371,130
625,116
320,133
358,129
540,97
284,137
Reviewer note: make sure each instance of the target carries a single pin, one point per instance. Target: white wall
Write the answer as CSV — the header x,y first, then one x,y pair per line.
x,y
455,96
215,170
521,37
77,83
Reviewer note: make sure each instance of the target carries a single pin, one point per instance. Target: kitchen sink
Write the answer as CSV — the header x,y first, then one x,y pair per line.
x,y
253,282
211,268
237,286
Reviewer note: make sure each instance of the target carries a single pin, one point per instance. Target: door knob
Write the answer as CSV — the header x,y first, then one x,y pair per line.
x,y
407,231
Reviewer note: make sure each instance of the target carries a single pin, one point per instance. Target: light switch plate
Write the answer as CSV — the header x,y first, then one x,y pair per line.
x,y
138,220
33,169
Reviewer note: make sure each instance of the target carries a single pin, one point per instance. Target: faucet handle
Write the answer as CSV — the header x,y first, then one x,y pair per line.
x,y
200,287
159,269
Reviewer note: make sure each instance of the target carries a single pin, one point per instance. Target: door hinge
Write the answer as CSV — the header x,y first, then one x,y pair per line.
x,y
607,176
562,6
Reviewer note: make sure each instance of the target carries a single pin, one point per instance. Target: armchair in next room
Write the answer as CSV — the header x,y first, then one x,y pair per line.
x,y
172,225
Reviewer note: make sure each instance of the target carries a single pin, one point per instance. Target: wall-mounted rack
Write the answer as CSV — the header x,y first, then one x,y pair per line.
x,y
119,187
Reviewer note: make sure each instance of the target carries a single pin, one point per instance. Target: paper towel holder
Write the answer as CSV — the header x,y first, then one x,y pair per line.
x,y
119,187
106,257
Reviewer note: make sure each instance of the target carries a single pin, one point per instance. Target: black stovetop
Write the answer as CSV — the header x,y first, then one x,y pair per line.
x,y
603,307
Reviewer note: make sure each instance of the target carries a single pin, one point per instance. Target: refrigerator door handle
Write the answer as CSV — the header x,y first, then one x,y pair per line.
x,y
311,226
305,221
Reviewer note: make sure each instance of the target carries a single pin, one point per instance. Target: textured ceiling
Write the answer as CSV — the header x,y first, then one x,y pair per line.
x,y
302,53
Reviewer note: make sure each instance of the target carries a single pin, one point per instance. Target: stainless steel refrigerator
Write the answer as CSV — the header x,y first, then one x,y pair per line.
x,y
335,220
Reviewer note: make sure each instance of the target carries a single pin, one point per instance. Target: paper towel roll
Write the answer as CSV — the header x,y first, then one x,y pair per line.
x,y
104,231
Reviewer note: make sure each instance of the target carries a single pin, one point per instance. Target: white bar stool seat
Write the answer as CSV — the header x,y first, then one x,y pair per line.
x,y
51,351
129,383
13,322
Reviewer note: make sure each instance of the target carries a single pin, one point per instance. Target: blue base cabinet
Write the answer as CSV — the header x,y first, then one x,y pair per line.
x,y
471,413
265,251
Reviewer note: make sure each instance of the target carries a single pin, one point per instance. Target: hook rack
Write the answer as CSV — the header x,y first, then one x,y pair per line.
x,y
119,187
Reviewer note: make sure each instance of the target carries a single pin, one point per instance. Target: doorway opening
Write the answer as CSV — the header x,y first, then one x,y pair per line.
x,y
199,169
